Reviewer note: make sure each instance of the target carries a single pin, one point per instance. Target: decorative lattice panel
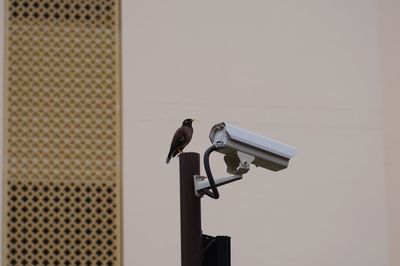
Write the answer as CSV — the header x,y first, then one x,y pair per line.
x,y
61,223
62,133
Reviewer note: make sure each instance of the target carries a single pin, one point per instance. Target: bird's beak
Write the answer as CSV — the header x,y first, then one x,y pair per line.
x,y
193,120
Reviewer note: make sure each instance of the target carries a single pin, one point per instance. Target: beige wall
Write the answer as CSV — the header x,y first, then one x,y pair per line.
x,y
390,45
305,72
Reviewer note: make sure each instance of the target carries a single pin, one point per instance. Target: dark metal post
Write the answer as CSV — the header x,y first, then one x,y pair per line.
x,y
189,165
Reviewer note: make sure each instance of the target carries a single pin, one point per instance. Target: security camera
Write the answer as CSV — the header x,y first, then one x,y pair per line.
x,y
243,147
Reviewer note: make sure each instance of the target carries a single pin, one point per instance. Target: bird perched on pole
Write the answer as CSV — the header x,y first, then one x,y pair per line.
x,y
181,138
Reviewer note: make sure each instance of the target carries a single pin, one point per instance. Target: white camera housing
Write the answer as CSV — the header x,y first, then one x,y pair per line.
x,y
237,144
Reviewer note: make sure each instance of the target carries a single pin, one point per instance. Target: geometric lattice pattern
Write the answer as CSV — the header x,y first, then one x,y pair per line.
x,y
62,148
61,223
62,101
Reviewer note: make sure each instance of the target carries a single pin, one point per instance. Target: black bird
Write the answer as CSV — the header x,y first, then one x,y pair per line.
x,y
182,137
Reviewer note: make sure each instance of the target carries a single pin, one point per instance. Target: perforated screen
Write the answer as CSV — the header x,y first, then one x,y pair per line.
x,y
62,142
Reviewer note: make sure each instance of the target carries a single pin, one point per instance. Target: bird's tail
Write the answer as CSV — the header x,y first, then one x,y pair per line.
x,y
168,158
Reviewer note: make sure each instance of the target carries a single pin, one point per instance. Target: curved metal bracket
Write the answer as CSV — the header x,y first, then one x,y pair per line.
x,y
237,163
201,183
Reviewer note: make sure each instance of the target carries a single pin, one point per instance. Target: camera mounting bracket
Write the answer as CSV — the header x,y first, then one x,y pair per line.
x,y
237,164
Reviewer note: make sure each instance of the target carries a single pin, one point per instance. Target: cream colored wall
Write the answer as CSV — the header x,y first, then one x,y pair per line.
x,y
304,72
390,23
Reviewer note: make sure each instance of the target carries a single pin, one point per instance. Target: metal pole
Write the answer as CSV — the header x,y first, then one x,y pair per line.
x,y
189,165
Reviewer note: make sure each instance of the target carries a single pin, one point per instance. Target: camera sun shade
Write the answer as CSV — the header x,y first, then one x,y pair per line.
x,y
268,153
241,148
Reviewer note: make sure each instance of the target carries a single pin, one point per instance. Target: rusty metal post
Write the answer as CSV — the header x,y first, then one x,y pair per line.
x,y
191,235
